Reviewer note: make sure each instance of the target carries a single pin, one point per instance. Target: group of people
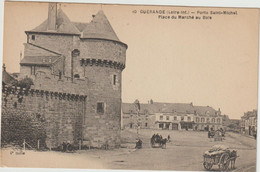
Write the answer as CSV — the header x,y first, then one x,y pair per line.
x,y
218,133
158,140
67,147
158,136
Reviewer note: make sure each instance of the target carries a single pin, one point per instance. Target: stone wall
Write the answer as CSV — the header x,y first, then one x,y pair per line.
x,y
96,129
99,83
103,86
146,121
58,67
60,124
64,84
103,49
102,128
60,43
25,71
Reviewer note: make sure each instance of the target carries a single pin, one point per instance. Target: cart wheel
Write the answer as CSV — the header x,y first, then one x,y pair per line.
x,y
152,145
224,162
207,166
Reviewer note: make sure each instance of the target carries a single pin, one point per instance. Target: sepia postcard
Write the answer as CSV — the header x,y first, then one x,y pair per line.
x,y
131,87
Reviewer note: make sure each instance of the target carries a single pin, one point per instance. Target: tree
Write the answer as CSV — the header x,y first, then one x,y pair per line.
x,y
25,83
17,127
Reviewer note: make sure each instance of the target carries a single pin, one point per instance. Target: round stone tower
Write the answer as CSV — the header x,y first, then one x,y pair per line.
x,y
100,60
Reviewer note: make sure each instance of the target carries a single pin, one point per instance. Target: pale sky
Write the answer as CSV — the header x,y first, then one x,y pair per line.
x,y
207,62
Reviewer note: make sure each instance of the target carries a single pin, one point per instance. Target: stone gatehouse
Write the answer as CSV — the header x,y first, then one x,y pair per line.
x,y
76,69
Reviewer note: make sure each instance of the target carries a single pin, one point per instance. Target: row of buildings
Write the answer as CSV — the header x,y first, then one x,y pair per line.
x,y
171,116
185,116
248,124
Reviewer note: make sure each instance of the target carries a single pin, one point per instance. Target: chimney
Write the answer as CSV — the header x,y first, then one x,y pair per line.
x,y
4,68
52,16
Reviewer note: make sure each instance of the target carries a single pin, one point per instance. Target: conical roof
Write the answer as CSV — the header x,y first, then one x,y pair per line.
x,y
63,25
100,28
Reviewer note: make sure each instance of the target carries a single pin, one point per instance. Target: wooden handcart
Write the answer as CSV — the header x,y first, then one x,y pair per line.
x,y
221,156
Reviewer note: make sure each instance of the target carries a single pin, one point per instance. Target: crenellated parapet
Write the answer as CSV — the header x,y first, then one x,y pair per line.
x,y
102,63
58,115
20,92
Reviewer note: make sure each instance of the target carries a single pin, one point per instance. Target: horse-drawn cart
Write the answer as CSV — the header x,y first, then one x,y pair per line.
x,y
221,156
213,133
158,142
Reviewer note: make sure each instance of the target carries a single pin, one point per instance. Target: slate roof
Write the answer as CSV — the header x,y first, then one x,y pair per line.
x,y
157,107
64,25
39,60
98,28
7,78
80,26
36,55
36,50
204,110
250,114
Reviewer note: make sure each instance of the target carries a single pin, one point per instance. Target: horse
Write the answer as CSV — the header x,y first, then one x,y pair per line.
x,y
211,134
233,156
163,143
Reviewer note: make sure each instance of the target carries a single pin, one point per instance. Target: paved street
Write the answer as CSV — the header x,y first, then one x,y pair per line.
x,y
184,152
